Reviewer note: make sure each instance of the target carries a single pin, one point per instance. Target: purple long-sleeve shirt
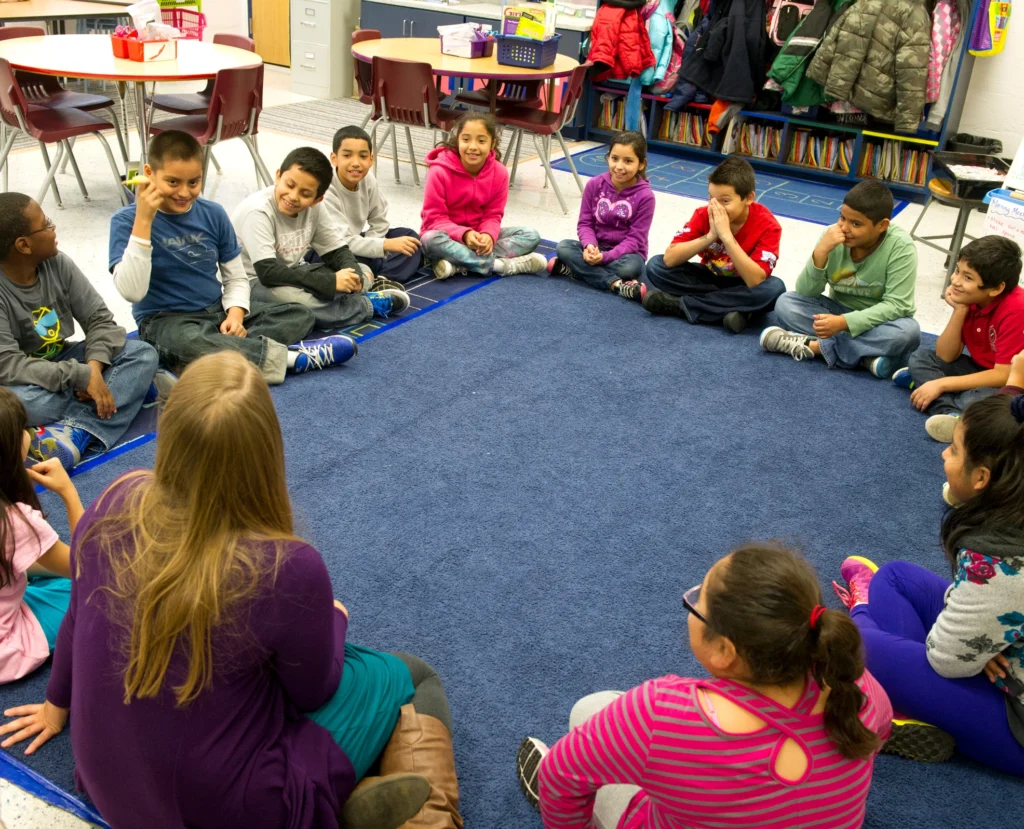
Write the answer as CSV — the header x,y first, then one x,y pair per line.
x,y
616,221
242,754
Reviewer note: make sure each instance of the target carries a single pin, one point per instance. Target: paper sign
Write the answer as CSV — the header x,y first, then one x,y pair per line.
x,y
1005,217
1015,178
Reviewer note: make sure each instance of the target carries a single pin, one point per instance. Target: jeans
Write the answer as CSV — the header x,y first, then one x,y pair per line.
x,y
926,365
396,266
706,297
512,241
896,338
603,276
128,377
341,312
183,336
904,602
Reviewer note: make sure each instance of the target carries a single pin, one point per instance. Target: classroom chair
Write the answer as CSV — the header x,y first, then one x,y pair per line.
x,y
509,93
364,76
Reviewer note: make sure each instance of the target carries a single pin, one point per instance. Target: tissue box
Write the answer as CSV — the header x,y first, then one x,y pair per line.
x,y
151,51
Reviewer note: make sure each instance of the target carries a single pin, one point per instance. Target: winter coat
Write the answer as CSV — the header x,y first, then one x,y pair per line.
x,y
876,58
790,66
455,201
658,14
729,60
619,40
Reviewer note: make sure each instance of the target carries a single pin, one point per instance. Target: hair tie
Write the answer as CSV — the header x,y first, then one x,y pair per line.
x,y
816,615
1017,408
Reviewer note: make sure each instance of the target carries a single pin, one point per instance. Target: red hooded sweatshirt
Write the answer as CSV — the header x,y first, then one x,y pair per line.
x,y
455,201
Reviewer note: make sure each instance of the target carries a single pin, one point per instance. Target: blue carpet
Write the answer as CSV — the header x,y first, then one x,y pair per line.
x,y
791,197
519,486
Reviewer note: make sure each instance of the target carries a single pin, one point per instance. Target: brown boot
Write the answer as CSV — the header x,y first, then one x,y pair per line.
x,y
422,745
384,802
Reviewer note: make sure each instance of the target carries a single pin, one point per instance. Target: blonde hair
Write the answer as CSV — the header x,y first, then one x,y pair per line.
x,y
189,540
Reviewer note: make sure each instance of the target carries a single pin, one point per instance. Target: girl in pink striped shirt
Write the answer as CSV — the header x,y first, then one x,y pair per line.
x,y
784,734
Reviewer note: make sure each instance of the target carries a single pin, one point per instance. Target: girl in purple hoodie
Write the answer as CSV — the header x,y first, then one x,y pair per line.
x,y
464,203
615,219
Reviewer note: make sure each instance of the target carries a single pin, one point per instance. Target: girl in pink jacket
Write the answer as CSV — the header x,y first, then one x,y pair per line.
x,y
463,205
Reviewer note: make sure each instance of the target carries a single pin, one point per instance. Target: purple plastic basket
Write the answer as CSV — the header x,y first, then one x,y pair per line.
x,y
525,51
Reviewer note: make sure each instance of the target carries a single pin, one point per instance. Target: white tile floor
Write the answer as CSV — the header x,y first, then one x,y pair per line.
x,y
82,232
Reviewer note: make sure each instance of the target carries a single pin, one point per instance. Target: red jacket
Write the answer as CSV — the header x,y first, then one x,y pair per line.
x,y
619,40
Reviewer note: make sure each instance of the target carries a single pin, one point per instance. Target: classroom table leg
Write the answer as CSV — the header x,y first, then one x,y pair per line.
x,y
140,119
551,94
492,96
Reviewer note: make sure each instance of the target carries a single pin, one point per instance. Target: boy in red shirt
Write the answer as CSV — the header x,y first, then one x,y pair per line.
x,y
738,244
988,319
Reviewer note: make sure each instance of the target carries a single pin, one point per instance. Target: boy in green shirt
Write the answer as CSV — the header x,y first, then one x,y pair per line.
x,y
870,269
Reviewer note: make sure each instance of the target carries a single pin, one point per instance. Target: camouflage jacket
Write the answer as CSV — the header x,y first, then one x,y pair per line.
x,y
876,58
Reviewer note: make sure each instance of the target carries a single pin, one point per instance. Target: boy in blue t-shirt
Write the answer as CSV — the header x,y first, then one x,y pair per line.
x,y
166,251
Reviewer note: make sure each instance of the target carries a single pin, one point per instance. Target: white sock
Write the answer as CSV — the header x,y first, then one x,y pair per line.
x,y
499,266
292,357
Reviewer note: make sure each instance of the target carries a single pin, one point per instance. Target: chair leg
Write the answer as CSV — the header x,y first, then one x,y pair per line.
x,y
412,157
515,157
64,164
568,158
262,173
51,172
8,142
394,151
913,230
206,164
117,131
113,168
366,120
544,150
69,155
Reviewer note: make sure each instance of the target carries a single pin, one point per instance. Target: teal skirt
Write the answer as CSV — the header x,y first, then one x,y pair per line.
x,y
48,598
364,710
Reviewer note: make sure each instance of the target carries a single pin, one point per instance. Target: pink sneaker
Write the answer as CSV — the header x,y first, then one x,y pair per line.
x,y
857,572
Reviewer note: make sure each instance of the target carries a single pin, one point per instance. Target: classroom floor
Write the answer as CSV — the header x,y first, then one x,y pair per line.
x,y
82,231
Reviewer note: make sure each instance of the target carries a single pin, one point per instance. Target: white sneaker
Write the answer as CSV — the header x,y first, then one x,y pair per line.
x,y
443,269
780,341
940,427
531,263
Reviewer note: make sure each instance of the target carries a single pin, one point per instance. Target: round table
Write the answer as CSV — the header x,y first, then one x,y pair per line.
x,y
428,50
91,56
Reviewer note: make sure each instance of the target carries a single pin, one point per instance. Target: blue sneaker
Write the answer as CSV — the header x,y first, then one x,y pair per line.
x,y
330,351
903,379
882,367
159,389
388,301
66,443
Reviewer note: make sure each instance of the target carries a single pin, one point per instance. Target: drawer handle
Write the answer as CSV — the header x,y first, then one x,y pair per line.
x,y
307,23
310,12
307,66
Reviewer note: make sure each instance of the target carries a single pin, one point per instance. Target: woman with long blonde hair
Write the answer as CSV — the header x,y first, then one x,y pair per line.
x,y
203,658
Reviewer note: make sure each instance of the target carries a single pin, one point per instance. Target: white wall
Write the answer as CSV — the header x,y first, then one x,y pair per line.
x,y
230,16
994,107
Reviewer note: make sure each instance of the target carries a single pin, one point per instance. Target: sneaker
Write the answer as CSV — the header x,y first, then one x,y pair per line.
x,y
631,289
901,377
882,367
662,304
735,321
330,351
531,263
556,267
65,443
948,497
940,427
857,572
780,341
531,752
386,302
443,269
381,284
159,389
916,740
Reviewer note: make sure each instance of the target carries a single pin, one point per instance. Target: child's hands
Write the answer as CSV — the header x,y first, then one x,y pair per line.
x,y
1016,377
832,239
952,301
347,281
341,607
405,245
828,325
486,244
925,394
41,721
147,199
51,475
471,239
592,255
98,392
997,667
719,221
232,325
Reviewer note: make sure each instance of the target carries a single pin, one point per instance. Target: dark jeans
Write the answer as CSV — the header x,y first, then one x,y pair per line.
x,y
429,698
926,365
181,337
396,266
707,297
603,276
904,602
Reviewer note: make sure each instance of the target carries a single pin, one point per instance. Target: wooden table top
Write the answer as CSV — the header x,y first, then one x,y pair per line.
x,y
90,56
428,50
59,10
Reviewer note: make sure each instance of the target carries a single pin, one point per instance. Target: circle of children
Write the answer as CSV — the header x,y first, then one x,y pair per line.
x,y
190,626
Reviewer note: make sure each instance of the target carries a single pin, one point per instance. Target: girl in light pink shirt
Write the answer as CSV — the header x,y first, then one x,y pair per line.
x,y
35,585
784,733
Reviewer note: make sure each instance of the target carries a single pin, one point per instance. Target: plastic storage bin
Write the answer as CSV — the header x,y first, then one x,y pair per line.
x,y
187,21
972,188
525,51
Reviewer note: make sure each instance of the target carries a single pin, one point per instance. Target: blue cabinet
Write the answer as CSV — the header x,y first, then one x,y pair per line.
x,y
424,23
390,21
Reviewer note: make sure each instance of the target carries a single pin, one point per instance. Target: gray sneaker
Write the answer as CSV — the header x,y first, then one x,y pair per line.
x,y
781,341
940,427
443,269
531,263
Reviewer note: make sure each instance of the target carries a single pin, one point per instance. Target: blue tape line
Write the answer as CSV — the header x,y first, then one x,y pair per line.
x,y
34,783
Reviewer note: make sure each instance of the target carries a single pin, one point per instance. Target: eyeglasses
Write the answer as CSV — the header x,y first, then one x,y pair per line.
x,y
690,600
50,225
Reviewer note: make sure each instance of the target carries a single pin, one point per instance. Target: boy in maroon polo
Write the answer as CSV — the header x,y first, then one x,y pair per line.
x,y
987,320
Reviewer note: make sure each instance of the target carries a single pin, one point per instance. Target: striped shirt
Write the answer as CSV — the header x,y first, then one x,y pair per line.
x,y
693,775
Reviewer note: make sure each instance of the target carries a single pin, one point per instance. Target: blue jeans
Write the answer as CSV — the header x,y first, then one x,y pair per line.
x,y
603,276
904,602
896,338
128,377
396,266
705,296
511,242
926,365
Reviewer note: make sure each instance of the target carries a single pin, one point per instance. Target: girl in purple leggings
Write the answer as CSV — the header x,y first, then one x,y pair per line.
x,y
951,657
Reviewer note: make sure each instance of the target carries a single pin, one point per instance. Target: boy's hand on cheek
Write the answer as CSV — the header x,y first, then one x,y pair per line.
x,y
232,325
147,200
